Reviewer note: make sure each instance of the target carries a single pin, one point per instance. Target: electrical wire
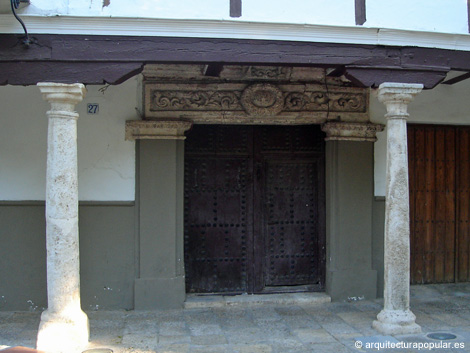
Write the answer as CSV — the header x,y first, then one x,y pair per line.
x,y
15,4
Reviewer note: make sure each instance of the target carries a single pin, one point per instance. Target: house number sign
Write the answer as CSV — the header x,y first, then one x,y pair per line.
x,y
93,108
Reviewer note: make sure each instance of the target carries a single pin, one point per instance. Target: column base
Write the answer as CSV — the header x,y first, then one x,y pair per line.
x,y
63,333
396,322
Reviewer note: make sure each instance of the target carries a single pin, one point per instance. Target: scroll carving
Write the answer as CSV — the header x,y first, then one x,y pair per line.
x,y
268,72
195,100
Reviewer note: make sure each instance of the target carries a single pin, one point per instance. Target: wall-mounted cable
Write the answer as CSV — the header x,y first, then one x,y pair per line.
x,y
15,4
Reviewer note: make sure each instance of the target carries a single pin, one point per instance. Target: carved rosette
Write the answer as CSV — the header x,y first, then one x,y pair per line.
x,y
351,131
262,99
156,130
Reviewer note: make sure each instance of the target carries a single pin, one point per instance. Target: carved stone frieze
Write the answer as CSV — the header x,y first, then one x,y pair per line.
x,y
351,131
258,103
163,130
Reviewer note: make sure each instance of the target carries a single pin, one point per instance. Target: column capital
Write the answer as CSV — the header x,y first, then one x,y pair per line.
x,y
63,97
157,130
396,97
351,131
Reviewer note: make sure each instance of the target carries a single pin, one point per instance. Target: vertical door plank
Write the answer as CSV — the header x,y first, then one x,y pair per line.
x,y
412,190
450,201
463,205
420,192
430,172
440,205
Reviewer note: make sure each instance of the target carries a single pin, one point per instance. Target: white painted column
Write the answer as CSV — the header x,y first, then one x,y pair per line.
x,y
396,316
64,326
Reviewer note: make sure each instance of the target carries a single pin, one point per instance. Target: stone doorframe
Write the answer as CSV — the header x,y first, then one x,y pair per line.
x,y
177,96
349,159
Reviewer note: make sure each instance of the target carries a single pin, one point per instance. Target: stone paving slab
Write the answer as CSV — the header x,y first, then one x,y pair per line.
x,y
266,328
220,301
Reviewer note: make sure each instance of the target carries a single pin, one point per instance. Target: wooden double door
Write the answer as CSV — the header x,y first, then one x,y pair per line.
x,y
439,170
254,209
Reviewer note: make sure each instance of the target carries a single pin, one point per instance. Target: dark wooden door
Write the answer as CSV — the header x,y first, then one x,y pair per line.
x,y
254,208
439,203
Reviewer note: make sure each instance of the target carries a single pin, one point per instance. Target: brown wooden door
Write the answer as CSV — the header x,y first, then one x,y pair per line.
x,y
254,215
439,203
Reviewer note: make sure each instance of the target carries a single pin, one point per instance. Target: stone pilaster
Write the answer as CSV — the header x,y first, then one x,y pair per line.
x,y
64,326
160,194
396,316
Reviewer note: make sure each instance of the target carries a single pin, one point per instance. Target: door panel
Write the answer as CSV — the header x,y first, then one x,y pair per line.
x,y
291,225
218,214
439,203
252,208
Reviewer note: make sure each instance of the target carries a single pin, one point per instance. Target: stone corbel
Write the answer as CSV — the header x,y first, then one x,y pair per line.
x,y
157,130
351,131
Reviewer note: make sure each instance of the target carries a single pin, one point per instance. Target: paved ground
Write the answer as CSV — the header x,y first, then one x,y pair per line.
x,y
270,328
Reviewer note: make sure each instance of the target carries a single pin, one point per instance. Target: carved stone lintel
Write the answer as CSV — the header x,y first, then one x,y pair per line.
x,y
258,103
350,131
157,130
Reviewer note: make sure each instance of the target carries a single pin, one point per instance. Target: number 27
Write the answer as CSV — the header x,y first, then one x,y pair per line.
x,y
93,108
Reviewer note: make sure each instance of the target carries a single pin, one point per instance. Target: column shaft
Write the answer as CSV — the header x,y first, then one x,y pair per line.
x,y
63,284
397,224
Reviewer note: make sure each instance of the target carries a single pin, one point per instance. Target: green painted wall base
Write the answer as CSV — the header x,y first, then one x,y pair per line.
x,y
159,293
160,282
352,284
378,226
107,266
349,198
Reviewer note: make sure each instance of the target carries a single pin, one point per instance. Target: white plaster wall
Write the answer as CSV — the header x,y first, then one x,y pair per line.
x,y
448,16
338,12
325,12
445,104
106,162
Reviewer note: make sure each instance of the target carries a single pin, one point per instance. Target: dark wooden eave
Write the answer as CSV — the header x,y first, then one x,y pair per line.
x,y
112,59
374,76
31,72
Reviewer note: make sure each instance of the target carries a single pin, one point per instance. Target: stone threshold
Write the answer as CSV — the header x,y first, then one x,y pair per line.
x,y
194,301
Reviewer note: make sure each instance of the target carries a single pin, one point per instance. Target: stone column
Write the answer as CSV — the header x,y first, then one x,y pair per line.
x,y
396,316
64,326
